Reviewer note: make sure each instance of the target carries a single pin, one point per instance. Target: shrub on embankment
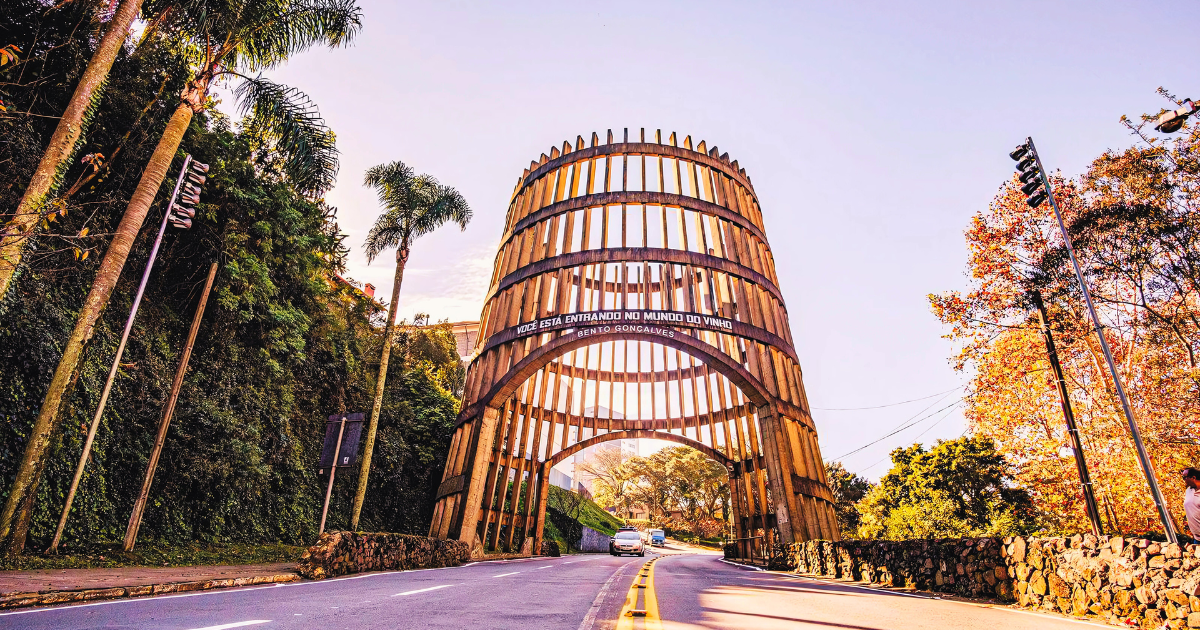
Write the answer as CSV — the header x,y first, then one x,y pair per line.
x,y
343,553
1120,580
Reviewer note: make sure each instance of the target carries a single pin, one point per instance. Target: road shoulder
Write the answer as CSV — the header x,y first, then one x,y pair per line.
x,y
44,587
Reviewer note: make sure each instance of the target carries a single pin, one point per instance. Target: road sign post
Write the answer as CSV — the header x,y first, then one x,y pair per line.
x,y
337,456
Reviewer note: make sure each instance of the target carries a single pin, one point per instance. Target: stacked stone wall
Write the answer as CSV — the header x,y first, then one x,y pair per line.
x,y
1123,581
343,553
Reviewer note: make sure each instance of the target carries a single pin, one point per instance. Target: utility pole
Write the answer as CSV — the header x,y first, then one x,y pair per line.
x,y
139,506
337,453
1027,157
191,190
1089,496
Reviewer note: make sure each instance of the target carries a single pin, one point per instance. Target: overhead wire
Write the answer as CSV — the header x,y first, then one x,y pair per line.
x,y
947,409
909,423
895,404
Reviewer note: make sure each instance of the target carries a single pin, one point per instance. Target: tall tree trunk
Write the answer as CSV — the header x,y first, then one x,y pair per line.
x,y
62,143
18,507
361,494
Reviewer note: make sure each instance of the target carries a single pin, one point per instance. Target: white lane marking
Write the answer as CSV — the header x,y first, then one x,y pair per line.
x,y
548,566
421,590
589,620
223,591
740,565
238,624
506,574
244,589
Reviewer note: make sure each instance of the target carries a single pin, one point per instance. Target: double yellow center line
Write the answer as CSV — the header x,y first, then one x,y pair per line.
x,y
641,605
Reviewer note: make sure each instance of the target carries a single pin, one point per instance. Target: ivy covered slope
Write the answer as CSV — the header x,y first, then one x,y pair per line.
x,y
282,345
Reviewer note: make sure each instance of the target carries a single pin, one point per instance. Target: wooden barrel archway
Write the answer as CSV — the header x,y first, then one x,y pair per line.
x,y
634,295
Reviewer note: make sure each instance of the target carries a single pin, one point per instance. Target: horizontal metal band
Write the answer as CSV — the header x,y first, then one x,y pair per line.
x,y
739,329
636,254
634,197
639,148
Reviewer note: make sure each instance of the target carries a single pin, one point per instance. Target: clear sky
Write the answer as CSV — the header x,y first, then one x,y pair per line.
x,y
871,131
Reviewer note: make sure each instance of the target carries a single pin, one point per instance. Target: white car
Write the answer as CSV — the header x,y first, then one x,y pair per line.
x,y
627,542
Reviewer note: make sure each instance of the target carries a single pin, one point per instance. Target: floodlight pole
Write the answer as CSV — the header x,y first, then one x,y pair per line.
x,y
1143,457
112,372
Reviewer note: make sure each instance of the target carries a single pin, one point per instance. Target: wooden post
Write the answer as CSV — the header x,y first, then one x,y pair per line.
x,y
485,438
543,495
337,453
779,478
1089,496
135,519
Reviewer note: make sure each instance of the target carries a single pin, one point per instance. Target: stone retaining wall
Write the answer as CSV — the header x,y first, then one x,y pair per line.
x,y
593,541
1123,581
343,553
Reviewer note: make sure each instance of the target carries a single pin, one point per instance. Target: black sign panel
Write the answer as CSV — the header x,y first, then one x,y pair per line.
x,y
348,454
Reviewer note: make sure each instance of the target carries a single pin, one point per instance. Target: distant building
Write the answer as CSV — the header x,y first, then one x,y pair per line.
x,y
467,335
570,474
366,291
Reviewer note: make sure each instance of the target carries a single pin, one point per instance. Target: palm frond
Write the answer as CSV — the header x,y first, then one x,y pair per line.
x,y
293,122
277,30
415,205
388,232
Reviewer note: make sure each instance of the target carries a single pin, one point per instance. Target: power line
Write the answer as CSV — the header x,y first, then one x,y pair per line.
x,y
903,402
905,425
885,457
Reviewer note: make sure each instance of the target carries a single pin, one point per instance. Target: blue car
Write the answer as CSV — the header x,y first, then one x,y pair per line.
x,y
658,538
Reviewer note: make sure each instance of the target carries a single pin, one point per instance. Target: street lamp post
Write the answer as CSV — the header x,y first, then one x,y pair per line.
x,y
1024,154
1172,121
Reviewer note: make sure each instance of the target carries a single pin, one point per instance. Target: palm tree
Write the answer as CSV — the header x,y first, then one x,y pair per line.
x,y
225,38
415,205
63,143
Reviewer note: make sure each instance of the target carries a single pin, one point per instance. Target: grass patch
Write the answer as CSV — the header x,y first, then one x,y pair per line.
x,y
590,514
153,554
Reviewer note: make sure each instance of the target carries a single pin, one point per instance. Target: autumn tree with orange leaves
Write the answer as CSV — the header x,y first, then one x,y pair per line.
x,y
1134,220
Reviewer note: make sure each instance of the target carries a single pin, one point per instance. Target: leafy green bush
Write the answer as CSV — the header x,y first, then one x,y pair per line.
x,y
957,488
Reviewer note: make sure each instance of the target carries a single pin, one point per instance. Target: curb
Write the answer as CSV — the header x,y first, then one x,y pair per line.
x,y
741,565
23,600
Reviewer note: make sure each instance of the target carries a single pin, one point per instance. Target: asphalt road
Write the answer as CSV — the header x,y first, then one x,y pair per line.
x,y
685,590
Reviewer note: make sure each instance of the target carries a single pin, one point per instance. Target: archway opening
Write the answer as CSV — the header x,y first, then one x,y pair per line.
x,y
618,389
649,483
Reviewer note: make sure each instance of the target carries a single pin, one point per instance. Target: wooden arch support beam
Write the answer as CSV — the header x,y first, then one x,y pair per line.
x,y
507,385
740,329
712,453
